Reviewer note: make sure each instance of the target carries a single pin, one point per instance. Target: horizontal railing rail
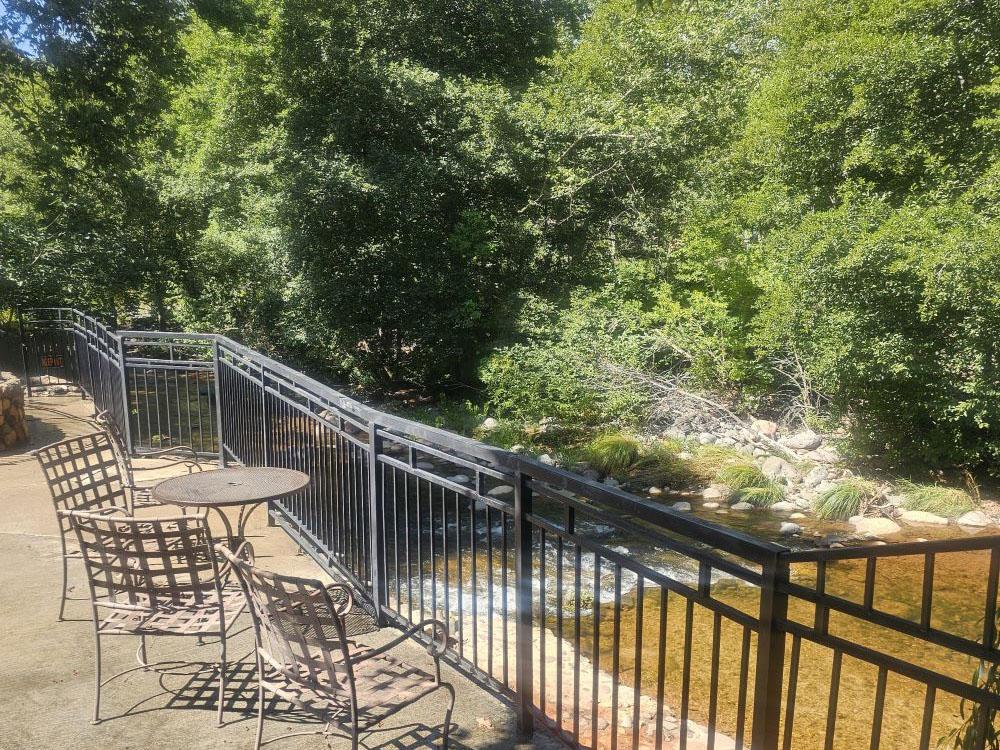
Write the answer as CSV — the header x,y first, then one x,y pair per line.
x,y
613,620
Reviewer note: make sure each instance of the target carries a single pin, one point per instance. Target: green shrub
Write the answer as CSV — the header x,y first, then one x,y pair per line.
x,y
763,496
709,460
742,476
933,498
614,453
849,498
659,465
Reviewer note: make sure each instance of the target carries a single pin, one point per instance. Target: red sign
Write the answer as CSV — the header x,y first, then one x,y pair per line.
x,y
52,360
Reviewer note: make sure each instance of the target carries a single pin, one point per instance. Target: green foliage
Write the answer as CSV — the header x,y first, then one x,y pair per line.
x,y
933,498
708,461
749,484
613,454
659,466
741,476
848,498
762,497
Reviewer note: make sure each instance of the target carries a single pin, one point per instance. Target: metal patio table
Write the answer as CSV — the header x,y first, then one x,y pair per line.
x,y
244,487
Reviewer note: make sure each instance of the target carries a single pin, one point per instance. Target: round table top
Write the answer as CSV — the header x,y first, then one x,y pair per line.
x,y
230,486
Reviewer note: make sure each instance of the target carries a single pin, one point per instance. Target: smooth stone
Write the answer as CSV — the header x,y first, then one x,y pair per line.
x,y
974,518
502,491
706,438
823,456
425,465
741,506
546,459
922,516
713,492
807,440
797,516
460,479
489,424
612,482
722,512
788,528
783,506
681,505
654,491
874,526
518,448
710,505
815,476
776,468
765,427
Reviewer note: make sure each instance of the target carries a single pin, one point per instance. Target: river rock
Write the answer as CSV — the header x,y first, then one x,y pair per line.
x,y
654,491
460,479
546,459
592,474
612,482
797,516
874,526
518,448
681,505
489,424
783,506
765,427
974,518
815,476
788,528
713,492
710,506
741,506
823,455
706,438
922,516
806,440
425,466
504,490
778,468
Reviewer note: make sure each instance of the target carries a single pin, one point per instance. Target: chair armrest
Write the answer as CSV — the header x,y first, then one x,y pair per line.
x,y
243,551
348,604
164,451
436,648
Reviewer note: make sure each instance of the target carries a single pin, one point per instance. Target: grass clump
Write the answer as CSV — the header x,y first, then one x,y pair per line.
x,y
933,498
750,485
659,465
849,498
709,460
741,476
614,453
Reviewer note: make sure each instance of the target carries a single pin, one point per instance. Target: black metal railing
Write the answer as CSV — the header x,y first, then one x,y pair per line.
x,y
612,620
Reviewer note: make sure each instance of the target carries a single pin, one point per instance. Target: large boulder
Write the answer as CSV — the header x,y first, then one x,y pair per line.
x,y
765,427
874,526
13,419
974,518
922,516
806,440
778,468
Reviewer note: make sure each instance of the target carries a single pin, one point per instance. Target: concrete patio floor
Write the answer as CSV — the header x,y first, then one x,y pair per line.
x,y
46,678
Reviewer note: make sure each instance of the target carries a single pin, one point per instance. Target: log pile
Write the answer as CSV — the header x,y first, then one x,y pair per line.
x,y
13,421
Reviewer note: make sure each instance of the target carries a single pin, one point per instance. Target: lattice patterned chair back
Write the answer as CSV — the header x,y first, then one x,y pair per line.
x,y
299,632
83,474
147,563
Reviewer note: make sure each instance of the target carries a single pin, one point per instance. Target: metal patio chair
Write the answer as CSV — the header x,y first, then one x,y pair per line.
x,y
82,474
155,576
305,658
141,495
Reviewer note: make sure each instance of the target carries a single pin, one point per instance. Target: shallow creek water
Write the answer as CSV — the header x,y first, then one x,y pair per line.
x,y
958,605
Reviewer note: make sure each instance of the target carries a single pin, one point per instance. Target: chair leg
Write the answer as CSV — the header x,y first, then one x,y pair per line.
x,y
97,678
260,707
65,583
447,716
222,672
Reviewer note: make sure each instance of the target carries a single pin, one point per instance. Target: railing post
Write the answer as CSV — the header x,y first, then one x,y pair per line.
x,y
523,657
218,404
126,407
375,519
24,350
770,654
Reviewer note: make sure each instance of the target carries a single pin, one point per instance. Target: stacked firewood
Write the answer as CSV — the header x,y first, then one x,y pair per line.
x,y
13,421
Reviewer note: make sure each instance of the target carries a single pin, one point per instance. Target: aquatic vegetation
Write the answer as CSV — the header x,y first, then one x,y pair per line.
x,y
849,498
742,476
660,465
709,460
934,498
762,497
